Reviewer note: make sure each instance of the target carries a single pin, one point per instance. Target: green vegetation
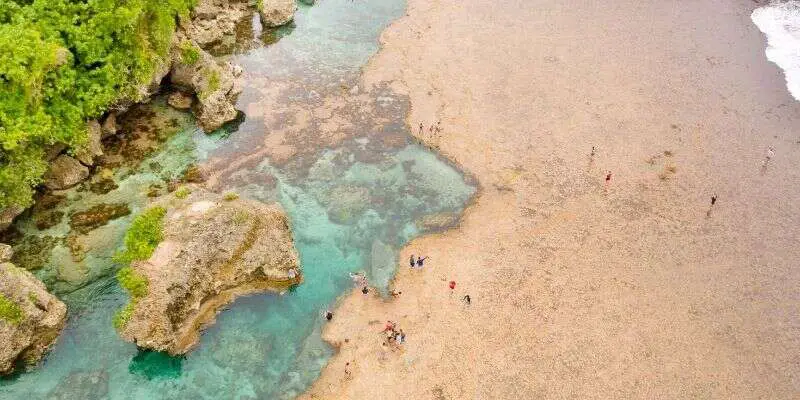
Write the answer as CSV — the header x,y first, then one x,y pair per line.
x,y
134,283
10,311
142,238
183,192
230,196
212,84
122,316
33,298
189,53
67,61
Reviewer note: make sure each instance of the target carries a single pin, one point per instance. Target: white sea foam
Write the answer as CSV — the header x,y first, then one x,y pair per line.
x,y
781,23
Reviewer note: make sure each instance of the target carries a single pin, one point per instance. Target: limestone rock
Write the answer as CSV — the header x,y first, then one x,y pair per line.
x,y
212,20
110,125
212,82
93,147
179,100
276,12
34,322
65,172
7,216
6,252
213,251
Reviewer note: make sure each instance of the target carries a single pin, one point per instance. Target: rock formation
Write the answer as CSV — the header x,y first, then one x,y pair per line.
x,y
93,148
65,172
30,318
213,20
276,12
213,250
196,71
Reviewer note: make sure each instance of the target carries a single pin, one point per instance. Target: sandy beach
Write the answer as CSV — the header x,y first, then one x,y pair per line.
x,y
582,289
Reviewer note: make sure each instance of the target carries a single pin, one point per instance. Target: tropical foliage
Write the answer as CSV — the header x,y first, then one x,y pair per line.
x,y
66,61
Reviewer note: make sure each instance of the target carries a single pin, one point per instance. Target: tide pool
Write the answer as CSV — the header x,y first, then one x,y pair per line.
x,y
338,159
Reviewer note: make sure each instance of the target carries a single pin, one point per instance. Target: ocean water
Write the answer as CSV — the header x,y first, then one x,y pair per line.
x,y
337,158
780,22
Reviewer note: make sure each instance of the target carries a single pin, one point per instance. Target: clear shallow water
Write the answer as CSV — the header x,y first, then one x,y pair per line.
x,y
339,161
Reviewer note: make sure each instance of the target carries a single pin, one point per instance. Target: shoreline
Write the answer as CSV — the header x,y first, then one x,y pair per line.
x,y
620,291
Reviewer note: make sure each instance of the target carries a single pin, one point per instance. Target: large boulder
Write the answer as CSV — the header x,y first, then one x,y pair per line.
x,y
65,172
30,318
213,20
196,71
276,12
213,250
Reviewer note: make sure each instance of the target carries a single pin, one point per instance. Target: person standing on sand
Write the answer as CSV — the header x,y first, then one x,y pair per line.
x,y
608,177
365,290
420,261
328,315
467,299
347,372
411,261
421,128
713,199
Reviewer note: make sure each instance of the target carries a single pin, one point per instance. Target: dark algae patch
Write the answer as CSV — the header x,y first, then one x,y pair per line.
x,y
97,216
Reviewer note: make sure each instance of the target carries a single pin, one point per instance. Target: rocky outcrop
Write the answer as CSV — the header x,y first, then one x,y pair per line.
x,y
93,148
109,127
30,318
213,20
196,71
6,252
65,172
7,216
213,250
275,13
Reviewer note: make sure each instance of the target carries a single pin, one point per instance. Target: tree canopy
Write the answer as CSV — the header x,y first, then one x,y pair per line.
x,y
67,61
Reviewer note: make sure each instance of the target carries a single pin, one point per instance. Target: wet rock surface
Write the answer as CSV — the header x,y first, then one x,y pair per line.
x,y
93,148
31,321
196,71
275,13
214,20
97,216
213,251
65,172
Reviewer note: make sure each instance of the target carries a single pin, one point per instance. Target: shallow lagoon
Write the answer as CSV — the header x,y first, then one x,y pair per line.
x,y
339,160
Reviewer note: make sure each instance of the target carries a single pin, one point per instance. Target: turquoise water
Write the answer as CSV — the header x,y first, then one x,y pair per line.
x,y
340,162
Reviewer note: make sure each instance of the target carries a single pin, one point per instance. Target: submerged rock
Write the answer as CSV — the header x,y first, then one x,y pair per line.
x,y
275,13
81,385
179,100
212,251
31,318
65,172
97,216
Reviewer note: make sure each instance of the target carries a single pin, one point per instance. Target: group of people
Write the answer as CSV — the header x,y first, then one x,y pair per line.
x,y
419,262
434,131
393,335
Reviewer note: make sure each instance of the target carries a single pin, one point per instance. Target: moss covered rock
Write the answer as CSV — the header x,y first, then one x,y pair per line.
x,y
30,318
212,250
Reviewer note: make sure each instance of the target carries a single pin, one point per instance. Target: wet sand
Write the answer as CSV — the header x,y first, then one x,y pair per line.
x,y
581,289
